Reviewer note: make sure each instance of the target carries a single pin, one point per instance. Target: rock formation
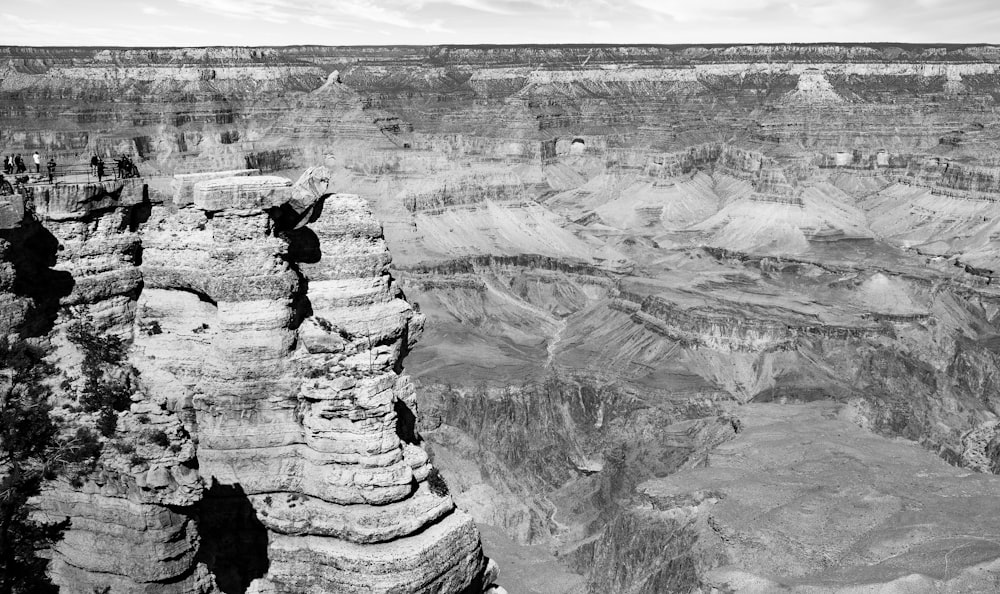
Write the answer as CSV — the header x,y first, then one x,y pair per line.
x,y
269,355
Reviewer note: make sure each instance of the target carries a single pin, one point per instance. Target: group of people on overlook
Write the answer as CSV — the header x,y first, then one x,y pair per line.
x,y
124,165
14,165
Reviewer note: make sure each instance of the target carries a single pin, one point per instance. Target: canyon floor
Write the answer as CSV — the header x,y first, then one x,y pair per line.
x,y
825,504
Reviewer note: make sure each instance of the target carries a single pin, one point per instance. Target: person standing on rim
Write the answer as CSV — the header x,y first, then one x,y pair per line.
x,y
100,169
38,162
52,168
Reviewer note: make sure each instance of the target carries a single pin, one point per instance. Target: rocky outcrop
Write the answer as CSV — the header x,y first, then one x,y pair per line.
x,y
94,229
724,329
298,400
646,551
183,184
129,522
132,521
449,194
270,392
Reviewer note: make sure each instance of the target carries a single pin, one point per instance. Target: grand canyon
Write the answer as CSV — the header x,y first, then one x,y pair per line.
x,y
526,319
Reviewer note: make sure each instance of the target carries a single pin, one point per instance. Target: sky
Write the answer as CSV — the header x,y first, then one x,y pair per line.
x,y
431,22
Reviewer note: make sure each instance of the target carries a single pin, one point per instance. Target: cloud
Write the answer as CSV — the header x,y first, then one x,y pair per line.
x,y
19,29
836,13
691,11
431,16
273,11
490,6
366,10
273,22
333,15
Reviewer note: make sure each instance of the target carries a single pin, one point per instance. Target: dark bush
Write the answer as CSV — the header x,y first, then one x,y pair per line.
x,y
107,423
107,388
125,447
315,372
85,448
29,455
436,483
158,437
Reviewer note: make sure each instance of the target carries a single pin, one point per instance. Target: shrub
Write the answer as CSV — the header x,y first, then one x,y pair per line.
x,y
436,483
158,437
29,454
107,423
106,389
315,372
96,349
125,447
84,448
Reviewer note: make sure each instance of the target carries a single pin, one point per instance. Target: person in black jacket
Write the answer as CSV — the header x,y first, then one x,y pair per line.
x,y
52,168
100,169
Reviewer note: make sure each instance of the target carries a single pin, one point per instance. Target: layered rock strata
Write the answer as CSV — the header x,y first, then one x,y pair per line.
x,y
74,254
90,236
297,394
133,526
276,348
